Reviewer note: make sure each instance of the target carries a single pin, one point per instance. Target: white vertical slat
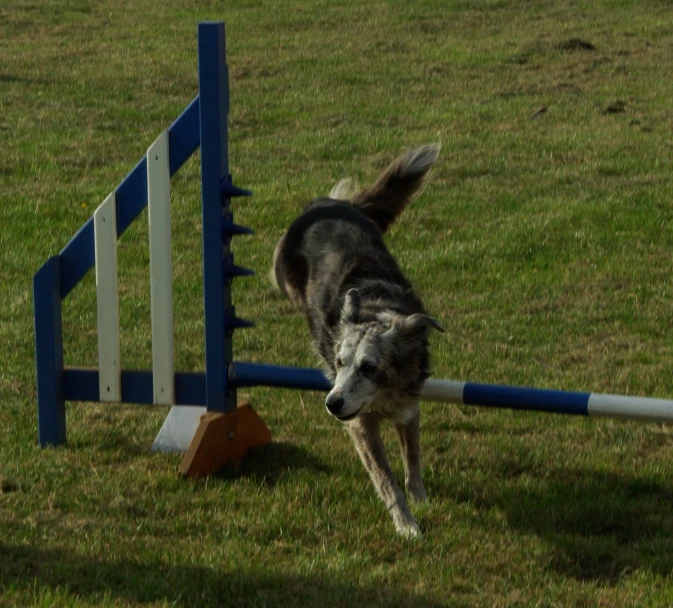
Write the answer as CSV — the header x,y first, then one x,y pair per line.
x,y
107,300
161,272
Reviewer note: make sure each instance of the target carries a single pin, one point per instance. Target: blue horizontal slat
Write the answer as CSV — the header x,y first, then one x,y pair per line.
x,y
82,385
131,196
543,400
184,136
190,388
78,256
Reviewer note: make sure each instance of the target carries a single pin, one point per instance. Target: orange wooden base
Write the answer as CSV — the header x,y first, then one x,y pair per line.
x,y
222,439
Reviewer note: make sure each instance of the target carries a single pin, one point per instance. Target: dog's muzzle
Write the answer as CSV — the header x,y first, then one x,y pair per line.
x,y
334,405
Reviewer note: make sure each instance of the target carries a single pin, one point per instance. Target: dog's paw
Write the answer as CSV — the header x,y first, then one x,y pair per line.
x,y
409,530
406,525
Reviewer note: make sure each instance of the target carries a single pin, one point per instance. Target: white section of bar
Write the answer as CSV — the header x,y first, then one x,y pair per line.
x,y
630,408
107,300
161,269
447,391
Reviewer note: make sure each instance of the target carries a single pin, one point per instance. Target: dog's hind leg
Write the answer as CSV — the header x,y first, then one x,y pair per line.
x,y
410,442
365,433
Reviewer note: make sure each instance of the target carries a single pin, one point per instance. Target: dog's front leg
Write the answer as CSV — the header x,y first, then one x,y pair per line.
x,y
410,441
365,433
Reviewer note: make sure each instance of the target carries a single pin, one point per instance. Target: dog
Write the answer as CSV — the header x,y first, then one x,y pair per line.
x,y
369,327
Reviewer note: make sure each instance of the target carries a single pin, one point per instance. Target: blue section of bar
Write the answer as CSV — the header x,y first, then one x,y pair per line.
x,y
82,385
49,354
260,374
542,400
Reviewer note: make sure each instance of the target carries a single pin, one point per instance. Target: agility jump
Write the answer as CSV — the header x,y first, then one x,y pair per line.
x,y
204,123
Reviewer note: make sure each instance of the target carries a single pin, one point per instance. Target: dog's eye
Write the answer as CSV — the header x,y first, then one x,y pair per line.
x,y
368,369
339,362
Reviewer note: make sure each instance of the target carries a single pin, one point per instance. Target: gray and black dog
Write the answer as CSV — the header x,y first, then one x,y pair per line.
x,y
368,325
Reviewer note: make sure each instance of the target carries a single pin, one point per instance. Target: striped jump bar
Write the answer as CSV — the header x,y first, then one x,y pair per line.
x,y
469,393
546,400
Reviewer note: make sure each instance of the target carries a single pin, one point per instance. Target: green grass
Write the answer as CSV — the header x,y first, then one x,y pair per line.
x,y
543,245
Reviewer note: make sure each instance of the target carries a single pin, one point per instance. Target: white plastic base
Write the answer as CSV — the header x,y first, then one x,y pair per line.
x,y
178,429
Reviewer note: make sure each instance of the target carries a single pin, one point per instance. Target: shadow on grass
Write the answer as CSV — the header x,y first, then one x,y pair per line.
x,y
14,78
113,443
45,572
272,464
600,526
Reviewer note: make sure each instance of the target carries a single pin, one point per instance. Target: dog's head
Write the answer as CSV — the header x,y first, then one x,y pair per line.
x,y
379,355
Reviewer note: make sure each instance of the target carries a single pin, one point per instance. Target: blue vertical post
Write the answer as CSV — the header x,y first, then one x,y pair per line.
x,y
214,107
49,353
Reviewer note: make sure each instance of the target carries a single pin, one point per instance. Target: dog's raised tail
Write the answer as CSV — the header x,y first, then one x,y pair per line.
x,y
395,188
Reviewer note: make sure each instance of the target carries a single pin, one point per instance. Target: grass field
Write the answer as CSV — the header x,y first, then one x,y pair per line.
x,y
541,243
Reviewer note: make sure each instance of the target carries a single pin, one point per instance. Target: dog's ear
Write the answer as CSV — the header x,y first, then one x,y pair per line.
x,y
350,313
419,323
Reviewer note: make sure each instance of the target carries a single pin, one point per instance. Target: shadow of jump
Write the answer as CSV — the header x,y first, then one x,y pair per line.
x,y
273,464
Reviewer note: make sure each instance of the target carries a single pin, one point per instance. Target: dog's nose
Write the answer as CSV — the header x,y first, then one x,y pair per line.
x,y
334,404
